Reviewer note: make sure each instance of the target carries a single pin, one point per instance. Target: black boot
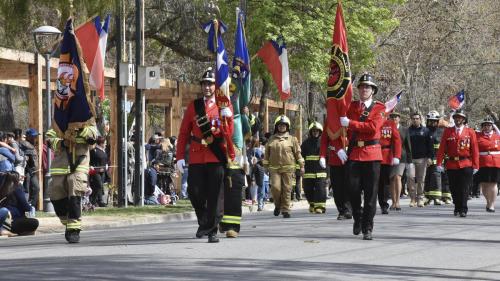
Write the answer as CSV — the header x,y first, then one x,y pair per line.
x,y
367,235
212,238
356,228
72,235
276,212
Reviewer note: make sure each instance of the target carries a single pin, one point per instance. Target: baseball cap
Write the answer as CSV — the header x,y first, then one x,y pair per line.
x,y
31,132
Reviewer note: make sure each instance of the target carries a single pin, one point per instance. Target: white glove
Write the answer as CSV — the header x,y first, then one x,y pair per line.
x,y
226,112
344,121
395,161
322,162
342,155
496,129
474,171
180,165
440,169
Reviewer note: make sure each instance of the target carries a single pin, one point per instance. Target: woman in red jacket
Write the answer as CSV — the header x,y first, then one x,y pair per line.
x,y
459,144
489,161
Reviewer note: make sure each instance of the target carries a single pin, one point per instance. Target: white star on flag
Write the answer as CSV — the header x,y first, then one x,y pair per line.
x,y
220,59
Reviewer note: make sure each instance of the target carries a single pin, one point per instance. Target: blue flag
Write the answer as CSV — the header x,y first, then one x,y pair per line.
x,y
215,29
240,87
72,106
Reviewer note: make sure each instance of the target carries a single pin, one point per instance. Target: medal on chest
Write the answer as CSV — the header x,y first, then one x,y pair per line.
x,y
386,132
464,143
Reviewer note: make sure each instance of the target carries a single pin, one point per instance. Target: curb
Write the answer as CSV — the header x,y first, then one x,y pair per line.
x,y
52,224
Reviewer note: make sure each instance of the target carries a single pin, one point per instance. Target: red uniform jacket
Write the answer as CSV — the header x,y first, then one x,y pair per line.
x,y
390,142
462,151
199,153
368,130
488,144
329,148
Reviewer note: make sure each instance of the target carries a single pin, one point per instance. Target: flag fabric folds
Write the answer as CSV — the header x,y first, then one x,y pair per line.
x,y
392,102
275,56
339,87
456,101
215,29
240,84
93,36
72,106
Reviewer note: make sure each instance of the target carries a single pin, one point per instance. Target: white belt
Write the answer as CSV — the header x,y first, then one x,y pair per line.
x,y
489,153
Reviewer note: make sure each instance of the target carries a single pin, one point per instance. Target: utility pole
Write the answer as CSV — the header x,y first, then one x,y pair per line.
x,y
122,135
139,139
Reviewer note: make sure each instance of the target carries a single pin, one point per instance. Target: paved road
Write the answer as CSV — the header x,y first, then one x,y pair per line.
x,y
414,244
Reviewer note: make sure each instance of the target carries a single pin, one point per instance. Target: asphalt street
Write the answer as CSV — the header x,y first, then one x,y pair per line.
x,y
414,244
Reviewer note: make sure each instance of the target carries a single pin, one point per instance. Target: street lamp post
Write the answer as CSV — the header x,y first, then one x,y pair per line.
x,y
46,38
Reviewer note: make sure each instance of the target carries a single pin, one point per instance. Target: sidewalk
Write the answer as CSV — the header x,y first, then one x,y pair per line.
x,y
52,224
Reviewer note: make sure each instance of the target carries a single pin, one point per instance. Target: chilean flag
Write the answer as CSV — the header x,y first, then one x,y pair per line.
x,y
93,38
457,101
275,57
393,102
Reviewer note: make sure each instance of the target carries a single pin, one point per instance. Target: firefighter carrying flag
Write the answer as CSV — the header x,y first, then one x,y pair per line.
x,y
72,133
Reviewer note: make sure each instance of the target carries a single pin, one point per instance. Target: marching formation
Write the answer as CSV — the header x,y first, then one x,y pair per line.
x,y
367,162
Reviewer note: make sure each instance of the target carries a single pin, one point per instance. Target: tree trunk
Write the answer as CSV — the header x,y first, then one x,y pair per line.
x,y
6,112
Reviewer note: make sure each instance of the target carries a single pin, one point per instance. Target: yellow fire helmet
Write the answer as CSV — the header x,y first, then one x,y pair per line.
x,y
316,125
282,119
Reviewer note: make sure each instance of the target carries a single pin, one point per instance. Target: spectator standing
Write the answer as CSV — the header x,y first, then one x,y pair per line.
x,y
98,171
19,163
397,171
421,150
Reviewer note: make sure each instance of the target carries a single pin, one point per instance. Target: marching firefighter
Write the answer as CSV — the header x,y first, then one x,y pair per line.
x,y
282,153
206,126
315,170
364,121
459,143
390,143
338,178
433,178
489,161
69,171
232,195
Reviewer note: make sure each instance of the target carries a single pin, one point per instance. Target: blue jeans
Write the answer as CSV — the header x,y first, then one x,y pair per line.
x,y
266,186
4,213
151,200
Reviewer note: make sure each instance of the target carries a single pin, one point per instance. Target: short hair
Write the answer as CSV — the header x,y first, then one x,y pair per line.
x,y
415,113
17,132
100,140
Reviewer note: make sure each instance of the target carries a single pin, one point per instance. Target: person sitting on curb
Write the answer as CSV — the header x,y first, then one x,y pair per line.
x,y
150,182
13,207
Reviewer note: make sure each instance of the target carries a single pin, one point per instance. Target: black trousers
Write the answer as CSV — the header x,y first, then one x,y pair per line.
x,y
315,190
32,187
460,180
363,178
231,202
96,183
296,190
205,182
340,186
433,183
383,186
